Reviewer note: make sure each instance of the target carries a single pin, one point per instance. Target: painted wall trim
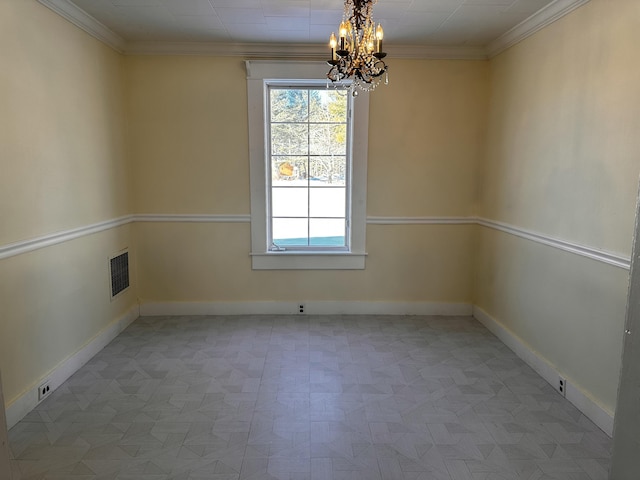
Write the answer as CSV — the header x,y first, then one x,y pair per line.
x,y
43,241
151,308
546,16
421,220
599,415
26,402
5,455
426,52
86,22
594,254
192,218
24,246
253,50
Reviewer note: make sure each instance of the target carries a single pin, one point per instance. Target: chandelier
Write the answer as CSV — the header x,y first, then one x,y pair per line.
x,y
357,53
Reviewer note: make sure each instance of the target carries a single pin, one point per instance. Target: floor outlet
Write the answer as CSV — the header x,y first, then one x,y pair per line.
x,y
562,386
44,390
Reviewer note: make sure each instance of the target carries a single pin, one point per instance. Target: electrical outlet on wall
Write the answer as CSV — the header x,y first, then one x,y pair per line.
x,y
44,390
562,386
301,308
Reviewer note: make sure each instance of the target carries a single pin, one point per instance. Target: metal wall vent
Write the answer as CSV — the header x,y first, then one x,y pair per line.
x,y
119,268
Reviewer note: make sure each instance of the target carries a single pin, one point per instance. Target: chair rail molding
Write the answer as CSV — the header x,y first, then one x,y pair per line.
x,y
48,240
24,246
615,259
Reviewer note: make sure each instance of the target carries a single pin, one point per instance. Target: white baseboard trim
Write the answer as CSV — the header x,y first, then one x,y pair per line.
x,y
581,400
29,400
310,308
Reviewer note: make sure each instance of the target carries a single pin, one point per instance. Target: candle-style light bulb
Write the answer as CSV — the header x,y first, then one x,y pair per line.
x,y
370,36
343,34
343,29
333,43
379,36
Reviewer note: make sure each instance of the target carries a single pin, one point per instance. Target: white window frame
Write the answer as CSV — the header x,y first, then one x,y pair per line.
x,y
259,74
308,85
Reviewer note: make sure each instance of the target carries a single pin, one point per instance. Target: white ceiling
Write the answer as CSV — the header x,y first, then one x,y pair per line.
x,y
470,24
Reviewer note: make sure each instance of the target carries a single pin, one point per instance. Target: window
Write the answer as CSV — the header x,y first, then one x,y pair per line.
x,y
308,150
308,142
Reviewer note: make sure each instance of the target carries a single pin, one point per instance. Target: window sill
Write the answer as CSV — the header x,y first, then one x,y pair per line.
x,y
308,261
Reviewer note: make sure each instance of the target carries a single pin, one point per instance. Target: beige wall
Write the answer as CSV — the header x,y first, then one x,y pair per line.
x,y
210,262
562,160
63,166
426,138
189,144
188,130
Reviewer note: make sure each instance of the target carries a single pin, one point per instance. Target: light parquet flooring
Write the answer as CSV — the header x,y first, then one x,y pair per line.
x,y
307,398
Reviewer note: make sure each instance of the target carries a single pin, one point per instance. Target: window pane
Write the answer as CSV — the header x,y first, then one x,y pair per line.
x,y
328,106
289,202
308,166
328,170
289,105
289,139
327,138
290,231
289,171
328,233
327,202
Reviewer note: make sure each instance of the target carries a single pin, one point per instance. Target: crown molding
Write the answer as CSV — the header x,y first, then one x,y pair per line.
x,y
427,52
86,22
546,16
537,21
293,50
253,50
